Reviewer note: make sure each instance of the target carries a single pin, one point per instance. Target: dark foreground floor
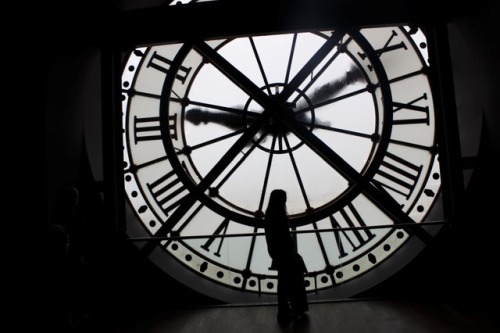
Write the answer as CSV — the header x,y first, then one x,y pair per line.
x,y
371,316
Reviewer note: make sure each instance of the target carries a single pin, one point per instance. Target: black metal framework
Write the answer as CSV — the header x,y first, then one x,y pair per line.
x,y
169,24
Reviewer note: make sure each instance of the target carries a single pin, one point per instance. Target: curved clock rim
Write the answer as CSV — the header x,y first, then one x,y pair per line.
x,y
349,289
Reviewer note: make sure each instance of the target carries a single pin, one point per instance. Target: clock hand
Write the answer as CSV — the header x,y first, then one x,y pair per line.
x,y
234,121
197,116
331,89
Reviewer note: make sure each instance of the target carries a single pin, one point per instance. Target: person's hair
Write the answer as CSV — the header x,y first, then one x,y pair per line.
x,y
277,200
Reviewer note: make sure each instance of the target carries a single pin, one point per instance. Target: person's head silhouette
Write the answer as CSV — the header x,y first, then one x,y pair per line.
x,y
277,199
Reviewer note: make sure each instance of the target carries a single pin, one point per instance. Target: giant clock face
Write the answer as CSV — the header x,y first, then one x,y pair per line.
x,y
343,121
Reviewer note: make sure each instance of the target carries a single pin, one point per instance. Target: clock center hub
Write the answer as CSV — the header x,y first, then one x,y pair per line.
x,y
275,125
277,137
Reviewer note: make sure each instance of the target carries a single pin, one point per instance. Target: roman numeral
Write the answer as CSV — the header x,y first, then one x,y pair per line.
x,y
419,114
163,64
168,191
386,48
398,175
355,238
172,126
222,228
148,128
321,244
247,271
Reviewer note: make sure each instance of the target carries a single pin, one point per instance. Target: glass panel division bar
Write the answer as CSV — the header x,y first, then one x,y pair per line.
x,y
399,225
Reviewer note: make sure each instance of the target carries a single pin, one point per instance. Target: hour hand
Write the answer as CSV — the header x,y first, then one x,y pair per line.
x,y
231,120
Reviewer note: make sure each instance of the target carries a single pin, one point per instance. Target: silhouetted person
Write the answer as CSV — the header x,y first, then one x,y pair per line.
x,y
68,270
292,298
